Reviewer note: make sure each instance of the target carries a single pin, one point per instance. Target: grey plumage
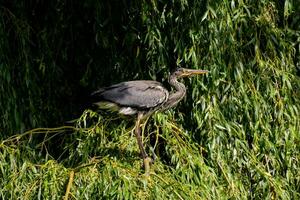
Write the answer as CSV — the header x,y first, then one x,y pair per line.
x,y
143,97
138,95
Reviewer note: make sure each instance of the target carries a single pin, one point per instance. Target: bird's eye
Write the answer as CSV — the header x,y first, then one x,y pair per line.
x,y
179,70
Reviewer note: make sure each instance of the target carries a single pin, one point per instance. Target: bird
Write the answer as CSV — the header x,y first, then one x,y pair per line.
x,y
141,98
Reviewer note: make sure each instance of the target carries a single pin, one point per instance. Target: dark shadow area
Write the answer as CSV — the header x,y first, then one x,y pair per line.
x,y
57,53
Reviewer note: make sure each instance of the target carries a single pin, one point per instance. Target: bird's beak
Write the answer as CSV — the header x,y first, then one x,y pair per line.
x,y
190,72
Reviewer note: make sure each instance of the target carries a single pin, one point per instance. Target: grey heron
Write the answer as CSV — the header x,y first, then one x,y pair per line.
x,y
142,98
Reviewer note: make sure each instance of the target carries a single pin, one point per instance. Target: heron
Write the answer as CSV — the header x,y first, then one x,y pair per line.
x,y
141,98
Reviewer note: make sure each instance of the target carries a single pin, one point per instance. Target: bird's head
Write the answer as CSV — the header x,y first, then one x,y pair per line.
x,y
183,72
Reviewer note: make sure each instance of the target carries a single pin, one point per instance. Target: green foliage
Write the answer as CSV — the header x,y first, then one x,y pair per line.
x,y
235,136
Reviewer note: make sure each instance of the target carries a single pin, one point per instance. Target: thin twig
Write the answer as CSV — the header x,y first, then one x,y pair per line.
x,y
147,162
38,130
69,185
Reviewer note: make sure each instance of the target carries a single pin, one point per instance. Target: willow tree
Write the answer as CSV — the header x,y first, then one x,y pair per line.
x,y
236,135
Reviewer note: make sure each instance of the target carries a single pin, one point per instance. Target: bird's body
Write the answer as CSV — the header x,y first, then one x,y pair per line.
x,y
132,96
143,97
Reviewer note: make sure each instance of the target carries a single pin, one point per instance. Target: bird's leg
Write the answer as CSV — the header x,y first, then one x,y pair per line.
x,y
138,136
146,160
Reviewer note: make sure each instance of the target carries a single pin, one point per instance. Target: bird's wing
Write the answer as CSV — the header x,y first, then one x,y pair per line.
x,y
138,94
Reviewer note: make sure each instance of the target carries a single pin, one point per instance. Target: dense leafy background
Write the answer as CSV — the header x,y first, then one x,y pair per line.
x,y
236,135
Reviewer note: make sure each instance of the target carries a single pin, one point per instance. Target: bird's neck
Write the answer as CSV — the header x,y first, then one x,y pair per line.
x,y
176,95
